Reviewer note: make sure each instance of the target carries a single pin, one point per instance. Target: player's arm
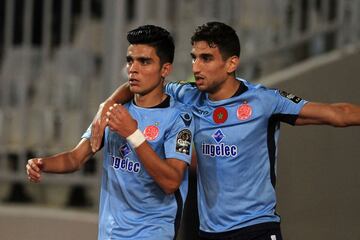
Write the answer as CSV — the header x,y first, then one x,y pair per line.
x,y
64,162
336,114
121,95
168,173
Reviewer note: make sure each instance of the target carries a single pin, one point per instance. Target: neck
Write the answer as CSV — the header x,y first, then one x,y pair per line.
x,y
226,90
150,99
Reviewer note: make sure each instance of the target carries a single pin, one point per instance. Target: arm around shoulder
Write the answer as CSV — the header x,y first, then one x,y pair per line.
x,y
335,114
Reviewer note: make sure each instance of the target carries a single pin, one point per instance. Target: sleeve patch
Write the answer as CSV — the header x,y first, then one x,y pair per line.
x,y
290,96
183,141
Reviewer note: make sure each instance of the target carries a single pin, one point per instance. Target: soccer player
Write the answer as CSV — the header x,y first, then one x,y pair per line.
x,y
236,136
147,148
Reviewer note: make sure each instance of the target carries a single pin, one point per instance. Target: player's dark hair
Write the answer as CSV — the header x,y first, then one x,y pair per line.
x,y
218,34
154,36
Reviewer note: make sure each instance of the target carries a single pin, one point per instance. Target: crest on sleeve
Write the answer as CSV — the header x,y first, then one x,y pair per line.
x,y
183,141
290,96
186,119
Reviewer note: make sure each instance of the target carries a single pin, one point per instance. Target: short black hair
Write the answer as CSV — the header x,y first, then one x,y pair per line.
x,y
157,37
218,34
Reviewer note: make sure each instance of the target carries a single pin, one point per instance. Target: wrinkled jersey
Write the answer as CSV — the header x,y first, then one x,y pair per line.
x,y
236,141
132,205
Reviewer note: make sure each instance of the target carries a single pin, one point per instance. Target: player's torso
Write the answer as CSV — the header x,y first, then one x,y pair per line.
x,y
133,204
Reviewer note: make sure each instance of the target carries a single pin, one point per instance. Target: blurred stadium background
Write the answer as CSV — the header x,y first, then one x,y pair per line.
x,y
60,58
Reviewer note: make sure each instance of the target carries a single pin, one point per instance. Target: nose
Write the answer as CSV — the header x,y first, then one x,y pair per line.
x,y
195,66
132,67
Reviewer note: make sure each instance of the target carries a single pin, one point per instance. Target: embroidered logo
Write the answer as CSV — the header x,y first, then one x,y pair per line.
x,y
186,119
124,150
151,132
219,149
218,136
244,111
220,115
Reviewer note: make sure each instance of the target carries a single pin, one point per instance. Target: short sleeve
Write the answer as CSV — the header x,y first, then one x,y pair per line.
x,y
179,140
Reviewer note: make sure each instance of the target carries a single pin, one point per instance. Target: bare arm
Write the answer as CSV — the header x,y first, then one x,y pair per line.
x,y
337,114
64,162
168,173
121,95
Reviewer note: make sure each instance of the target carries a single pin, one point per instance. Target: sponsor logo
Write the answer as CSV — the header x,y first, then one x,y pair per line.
x,y
124,150
218,136
220,149
290,96
183,141
125,164
202,112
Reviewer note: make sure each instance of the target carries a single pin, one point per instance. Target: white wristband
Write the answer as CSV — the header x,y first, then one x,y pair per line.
x,y
136,138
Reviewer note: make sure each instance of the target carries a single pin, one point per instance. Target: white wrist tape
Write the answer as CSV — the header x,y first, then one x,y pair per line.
x,y
136,138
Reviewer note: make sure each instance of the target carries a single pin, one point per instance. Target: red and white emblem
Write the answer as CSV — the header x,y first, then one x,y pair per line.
x,y
220,115
151,132
244,111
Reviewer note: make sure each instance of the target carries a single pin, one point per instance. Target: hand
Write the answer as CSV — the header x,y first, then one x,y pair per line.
x,y
120,120
98,125
34,169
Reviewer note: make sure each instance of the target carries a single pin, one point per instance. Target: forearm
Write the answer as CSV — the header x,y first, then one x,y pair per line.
x,y
60,163
336,114
69,161
349,114
121,95
168,173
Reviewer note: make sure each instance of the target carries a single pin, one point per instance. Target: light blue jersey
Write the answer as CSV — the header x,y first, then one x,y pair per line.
x,y
236,141
132,205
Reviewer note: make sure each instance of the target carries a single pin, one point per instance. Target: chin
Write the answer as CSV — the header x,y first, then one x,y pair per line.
x,y
201,88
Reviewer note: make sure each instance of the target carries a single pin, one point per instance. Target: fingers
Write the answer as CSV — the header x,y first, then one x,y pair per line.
x,y
97,129
33,169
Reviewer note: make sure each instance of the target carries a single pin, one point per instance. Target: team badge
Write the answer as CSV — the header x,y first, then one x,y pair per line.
x,y
244,111
183,141
220,115
151,132
290,96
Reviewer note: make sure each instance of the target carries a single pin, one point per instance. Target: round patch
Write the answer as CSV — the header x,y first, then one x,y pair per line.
x,y
220,115
244,111
151,132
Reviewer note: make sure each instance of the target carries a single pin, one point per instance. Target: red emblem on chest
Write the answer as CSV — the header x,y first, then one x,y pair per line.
x,y
220,115
151,132
244,111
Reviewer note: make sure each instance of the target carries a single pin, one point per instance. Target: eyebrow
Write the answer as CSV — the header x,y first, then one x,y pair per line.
x,y
140,58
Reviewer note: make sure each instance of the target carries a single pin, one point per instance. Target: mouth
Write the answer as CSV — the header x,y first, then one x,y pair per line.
x,y
133,81
199,78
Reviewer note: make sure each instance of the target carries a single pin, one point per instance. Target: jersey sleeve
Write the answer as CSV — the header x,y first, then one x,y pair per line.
x,y
87,133
179,140
285,106
182,92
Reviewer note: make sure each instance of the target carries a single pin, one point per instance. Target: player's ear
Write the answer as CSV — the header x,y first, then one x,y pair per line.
x,y
166,69
232,64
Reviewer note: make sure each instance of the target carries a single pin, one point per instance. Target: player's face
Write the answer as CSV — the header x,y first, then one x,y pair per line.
x,y
208,66
143,69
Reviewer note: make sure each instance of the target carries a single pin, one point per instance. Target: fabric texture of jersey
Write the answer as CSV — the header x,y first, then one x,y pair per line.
x,y
235,141
132,205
